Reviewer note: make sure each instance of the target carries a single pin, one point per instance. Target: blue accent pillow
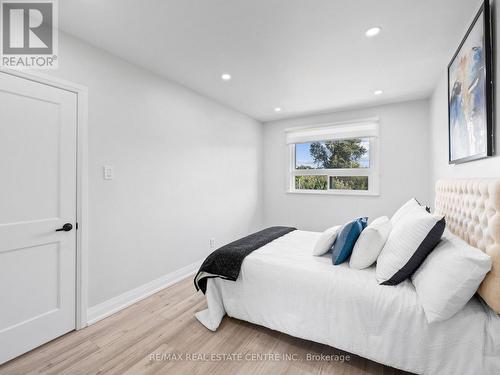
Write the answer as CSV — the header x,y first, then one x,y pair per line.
x,y
346,239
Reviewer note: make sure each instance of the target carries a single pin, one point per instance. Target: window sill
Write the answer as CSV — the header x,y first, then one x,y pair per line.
x,y
335,192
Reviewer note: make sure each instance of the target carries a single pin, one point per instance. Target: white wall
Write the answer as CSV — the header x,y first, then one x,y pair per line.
x,y
404,168
186,169
440,168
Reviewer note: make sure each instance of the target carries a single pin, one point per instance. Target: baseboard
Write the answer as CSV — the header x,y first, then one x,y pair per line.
x,y
115,304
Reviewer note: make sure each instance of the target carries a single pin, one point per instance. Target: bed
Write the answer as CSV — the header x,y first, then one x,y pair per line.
x,y
283,287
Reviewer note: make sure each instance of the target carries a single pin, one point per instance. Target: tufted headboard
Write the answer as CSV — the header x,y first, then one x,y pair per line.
x,y
472,211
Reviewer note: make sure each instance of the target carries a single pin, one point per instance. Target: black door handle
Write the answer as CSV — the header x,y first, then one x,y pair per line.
x,y
66,228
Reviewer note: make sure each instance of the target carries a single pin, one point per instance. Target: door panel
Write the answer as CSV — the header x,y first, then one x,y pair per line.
x,y
42,264
39,189
37,196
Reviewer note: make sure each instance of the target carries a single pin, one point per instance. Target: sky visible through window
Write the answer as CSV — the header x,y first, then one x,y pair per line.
x,y
303,155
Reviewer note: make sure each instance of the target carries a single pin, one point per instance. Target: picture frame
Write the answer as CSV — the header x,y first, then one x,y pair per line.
x,y
470,93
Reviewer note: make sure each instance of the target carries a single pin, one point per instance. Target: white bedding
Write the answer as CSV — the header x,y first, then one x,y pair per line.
x,y
283,287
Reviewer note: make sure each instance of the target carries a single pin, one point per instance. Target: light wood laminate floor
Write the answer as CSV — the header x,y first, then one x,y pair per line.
x,y
164,325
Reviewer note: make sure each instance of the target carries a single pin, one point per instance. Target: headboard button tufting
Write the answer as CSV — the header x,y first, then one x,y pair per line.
x,y
472,210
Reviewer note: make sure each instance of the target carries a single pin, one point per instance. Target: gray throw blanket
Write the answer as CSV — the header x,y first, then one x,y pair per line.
x,y
226,261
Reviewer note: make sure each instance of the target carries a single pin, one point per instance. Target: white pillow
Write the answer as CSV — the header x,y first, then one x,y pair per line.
x,y
370,243
326,240
409,243
449,277
405,209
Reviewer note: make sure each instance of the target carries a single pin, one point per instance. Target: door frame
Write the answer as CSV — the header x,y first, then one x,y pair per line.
x,y
81,282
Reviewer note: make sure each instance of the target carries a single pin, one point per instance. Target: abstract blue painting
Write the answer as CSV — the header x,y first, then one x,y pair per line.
x,y
469,87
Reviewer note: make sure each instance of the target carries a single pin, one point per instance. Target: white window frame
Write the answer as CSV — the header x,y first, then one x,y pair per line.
x,y
372,172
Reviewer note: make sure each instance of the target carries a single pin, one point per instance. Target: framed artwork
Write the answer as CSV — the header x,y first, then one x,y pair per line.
x,y
470,93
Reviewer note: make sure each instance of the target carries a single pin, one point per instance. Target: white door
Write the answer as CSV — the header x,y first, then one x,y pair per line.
x,y
37,196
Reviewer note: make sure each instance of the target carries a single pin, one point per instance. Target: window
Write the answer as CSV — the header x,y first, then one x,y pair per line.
x,y
335,159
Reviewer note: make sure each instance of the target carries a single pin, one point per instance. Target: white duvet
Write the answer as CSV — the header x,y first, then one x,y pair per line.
x,y
283,287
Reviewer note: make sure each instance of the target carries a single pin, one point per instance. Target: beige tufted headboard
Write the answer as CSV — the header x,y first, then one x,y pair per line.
x,y
472,210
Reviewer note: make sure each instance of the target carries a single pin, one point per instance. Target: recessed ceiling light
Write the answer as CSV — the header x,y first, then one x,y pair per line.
x,y
278,109
226,77
378,92
373,31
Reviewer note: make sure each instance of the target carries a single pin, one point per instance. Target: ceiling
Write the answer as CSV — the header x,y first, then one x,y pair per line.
x,y
302,55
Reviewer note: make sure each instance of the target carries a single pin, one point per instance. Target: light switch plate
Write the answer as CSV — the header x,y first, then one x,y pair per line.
x,y
108,172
